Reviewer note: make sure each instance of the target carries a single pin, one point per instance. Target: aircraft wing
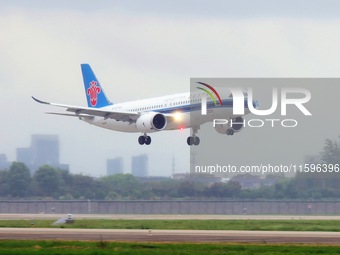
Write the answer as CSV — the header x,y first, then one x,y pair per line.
x,y
85,111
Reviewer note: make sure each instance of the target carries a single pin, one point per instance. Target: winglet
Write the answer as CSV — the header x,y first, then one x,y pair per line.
x,y
39,101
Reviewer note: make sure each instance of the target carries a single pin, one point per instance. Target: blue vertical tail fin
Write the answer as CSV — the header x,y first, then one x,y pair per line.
x,y
95,95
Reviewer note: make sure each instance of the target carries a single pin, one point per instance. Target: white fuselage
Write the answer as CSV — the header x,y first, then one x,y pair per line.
x,y
185,109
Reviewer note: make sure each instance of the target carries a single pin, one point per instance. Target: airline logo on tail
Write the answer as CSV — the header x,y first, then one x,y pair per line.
x,y
93,92
210,92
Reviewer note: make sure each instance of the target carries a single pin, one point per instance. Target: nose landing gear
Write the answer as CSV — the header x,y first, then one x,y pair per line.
x,y
193,139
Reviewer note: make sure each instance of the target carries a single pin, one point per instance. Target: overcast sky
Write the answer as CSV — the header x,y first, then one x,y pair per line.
x,y
141,49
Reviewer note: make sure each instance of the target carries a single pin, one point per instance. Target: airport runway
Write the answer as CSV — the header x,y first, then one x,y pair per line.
x,y
169,235
192,236
168,217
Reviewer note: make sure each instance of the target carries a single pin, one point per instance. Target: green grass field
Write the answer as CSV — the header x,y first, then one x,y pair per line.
x,y
274,225
65,248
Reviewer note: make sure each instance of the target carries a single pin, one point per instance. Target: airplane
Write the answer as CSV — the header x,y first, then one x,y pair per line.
x,y
172,112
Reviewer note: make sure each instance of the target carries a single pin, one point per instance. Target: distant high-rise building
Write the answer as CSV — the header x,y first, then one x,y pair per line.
x,y
24,155
139,165
114,166
44,150
4,164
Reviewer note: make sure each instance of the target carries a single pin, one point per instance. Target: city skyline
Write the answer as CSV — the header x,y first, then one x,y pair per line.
x,y
35,156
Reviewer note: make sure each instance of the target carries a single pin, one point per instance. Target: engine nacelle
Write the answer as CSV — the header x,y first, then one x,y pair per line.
x,y
151,122
236,124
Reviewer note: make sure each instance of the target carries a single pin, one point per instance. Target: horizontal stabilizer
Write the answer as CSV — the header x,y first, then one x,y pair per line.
x,y
69,114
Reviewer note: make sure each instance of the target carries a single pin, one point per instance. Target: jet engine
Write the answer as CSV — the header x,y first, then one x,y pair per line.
x,y
151,122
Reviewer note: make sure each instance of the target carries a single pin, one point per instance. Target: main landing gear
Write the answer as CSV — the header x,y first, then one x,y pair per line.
x,y
193,139
144,139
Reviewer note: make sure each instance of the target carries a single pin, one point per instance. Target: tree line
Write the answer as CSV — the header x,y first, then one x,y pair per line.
x,y
49,182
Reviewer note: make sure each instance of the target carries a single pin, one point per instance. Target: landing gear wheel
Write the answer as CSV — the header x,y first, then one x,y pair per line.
x,y
190,140
230,131
141,140
147,140
193,140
